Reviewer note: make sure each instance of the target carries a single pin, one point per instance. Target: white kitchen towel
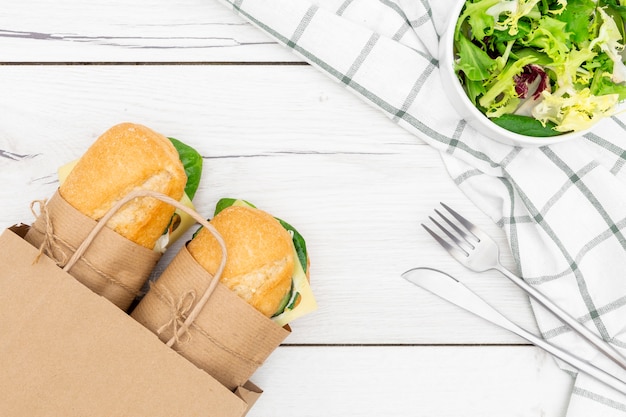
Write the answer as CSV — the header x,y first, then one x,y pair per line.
x,y
562,207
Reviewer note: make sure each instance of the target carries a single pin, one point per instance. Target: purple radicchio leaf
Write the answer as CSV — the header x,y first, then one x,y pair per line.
x,y
527,77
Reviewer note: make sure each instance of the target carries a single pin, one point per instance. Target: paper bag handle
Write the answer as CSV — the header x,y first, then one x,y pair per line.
x,y
166,199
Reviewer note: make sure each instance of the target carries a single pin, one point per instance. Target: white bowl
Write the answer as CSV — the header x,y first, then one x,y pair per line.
x,y
462,104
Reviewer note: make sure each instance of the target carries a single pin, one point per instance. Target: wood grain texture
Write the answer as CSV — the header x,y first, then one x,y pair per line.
x,y
411,381
117,31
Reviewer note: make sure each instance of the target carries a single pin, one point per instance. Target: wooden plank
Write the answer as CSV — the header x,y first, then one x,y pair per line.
x,y
117,31
411,381
297,145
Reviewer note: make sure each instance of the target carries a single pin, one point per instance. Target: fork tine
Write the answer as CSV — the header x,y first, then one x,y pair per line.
x,y
451,249
448,233
466,223
467,237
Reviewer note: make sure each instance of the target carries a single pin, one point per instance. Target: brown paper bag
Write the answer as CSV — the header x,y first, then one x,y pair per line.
x,y
229,338
113,266
66,351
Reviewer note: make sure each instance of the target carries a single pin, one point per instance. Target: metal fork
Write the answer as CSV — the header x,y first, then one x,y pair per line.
x,y
478,252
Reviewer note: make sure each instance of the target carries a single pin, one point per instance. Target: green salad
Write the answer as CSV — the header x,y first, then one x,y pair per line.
x,y
542,67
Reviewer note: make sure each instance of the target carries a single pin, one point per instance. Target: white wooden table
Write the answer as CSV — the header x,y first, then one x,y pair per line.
x,y
275,131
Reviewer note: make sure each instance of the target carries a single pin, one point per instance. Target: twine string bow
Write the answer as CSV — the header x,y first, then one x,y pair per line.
x,y
51,245
179,310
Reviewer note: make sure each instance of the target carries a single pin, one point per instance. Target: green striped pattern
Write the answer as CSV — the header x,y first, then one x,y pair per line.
x,y
562,207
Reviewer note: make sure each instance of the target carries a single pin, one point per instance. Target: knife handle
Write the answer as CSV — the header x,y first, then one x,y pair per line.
x,y
470,301
602,345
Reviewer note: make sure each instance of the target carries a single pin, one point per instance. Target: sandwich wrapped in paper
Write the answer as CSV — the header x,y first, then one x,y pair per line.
x,y
125,158
67,351
263,285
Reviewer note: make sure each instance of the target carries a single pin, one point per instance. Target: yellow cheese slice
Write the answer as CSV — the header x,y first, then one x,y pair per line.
x,y
307,300
186,221
65,170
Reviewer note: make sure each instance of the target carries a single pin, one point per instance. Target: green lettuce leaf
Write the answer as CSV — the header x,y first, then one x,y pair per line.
x,y
475,63
192,162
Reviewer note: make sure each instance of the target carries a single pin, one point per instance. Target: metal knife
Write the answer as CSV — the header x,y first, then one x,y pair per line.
x,y
450,289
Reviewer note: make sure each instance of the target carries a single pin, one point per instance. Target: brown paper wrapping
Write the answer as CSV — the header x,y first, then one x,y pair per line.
x,y
229,339
66,351
113,266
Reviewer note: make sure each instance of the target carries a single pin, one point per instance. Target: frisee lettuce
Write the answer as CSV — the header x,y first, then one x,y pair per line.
x,y
578,44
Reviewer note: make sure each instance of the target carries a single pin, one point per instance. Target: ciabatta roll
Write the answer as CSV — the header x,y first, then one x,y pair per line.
x,y
127,157
260,260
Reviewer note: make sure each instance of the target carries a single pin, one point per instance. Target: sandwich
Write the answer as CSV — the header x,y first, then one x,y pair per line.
x,y
126,158
267,263
228,330
129,157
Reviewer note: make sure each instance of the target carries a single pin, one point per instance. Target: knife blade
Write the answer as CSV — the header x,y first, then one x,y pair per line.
x,y
452,290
